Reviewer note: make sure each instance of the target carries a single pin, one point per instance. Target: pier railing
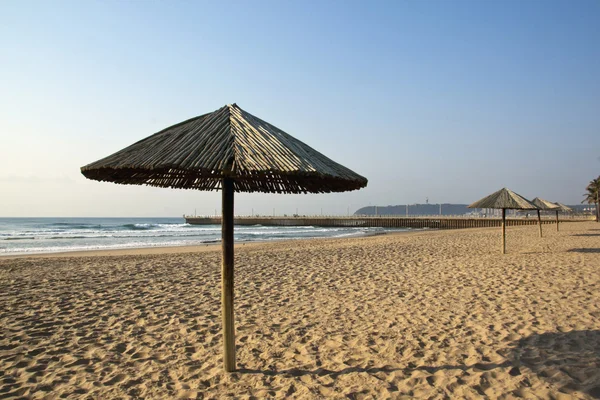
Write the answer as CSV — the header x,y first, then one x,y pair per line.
x,y
432,222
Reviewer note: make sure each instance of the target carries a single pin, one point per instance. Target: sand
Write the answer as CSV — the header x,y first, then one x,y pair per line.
x,y
425,315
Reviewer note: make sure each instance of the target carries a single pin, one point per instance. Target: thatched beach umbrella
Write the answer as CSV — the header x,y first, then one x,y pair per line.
x,y
561,208
504,199
229,150
543,205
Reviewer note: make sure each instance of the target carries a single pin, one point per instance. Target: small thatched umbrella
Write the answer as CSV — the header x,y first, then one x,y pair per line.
x,y
231,150
562,208
543,205
504,199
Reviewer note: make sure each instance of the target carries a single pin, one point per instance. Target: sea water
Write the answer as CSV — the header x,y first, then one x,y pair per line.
x,y
50,235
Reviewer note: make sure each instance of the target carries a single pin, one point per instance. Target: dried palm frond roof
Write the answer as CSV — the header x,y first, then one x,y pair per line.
x,y
544,204
229,142
563,208
504,198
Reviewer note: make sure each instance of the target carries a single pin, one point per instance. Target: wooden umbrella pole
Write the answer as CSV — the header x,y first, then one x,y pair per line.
x,y
503,231
540,222
556,220
227,276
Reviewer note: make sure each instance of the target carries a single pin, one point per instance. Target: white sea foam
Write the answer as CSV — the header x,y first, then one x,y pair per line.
x,y
45,235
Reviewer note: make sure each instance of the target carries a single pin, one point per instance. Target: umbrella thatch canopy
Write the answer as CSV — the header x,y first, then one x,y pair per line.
x,y
232,150
543,205
563,208
227,143
504,199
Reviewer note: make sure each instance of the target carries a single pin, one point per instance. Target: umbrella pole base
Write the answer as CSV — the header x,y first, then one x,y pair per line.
x,y
503,231
227,278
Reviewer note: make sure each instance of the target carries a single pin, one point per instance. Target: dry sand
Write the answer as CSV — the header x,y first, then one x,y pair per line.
x,y
425,315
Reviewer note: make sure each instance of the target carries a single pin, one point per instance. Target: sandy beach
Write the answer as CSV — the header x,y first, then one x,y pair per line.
x,y
438,314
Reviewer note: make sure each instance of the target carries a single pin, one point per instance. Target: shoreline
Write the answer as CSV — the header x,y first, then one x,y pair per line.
x,y
201,247
216,246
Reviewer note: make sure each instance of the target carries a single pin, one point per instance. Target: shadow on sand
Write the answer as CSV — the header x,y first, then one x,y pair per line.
x,y
587,234
373,370
584,251
569,360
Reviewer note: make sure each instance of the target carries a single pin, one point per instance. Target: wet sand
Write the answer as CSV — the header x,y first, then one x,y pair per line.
x,y
435,314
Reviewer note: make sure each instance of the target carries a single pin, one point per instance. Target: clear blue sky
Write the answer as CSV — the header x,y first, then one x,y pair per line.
x,y
449,100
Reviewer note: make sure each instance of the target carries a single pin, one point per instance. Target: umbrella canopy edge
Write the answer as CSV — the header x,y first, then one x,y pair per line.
x,y
227,143
504,199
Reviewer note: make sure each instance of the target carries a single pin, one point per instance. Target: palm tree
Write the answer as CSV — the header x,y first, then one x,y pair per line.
x,y
593,195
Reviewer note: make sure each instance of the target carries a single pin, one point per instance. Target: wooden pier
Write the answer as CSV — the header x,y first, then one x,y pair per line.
x,y
431,222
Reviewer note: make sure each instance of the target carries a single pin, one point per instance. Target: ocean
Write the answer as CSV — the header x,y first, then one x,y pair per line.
x,y
51,235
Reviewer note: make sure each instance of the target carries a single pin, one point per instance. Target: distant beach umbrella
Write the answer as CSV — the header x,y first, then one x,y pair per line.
x,y
561,208
229,150
504,199
543,205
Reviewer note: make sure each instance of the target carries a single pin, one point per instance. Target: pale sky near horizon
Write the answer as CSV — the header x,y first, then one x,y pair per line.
x,y
446,100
